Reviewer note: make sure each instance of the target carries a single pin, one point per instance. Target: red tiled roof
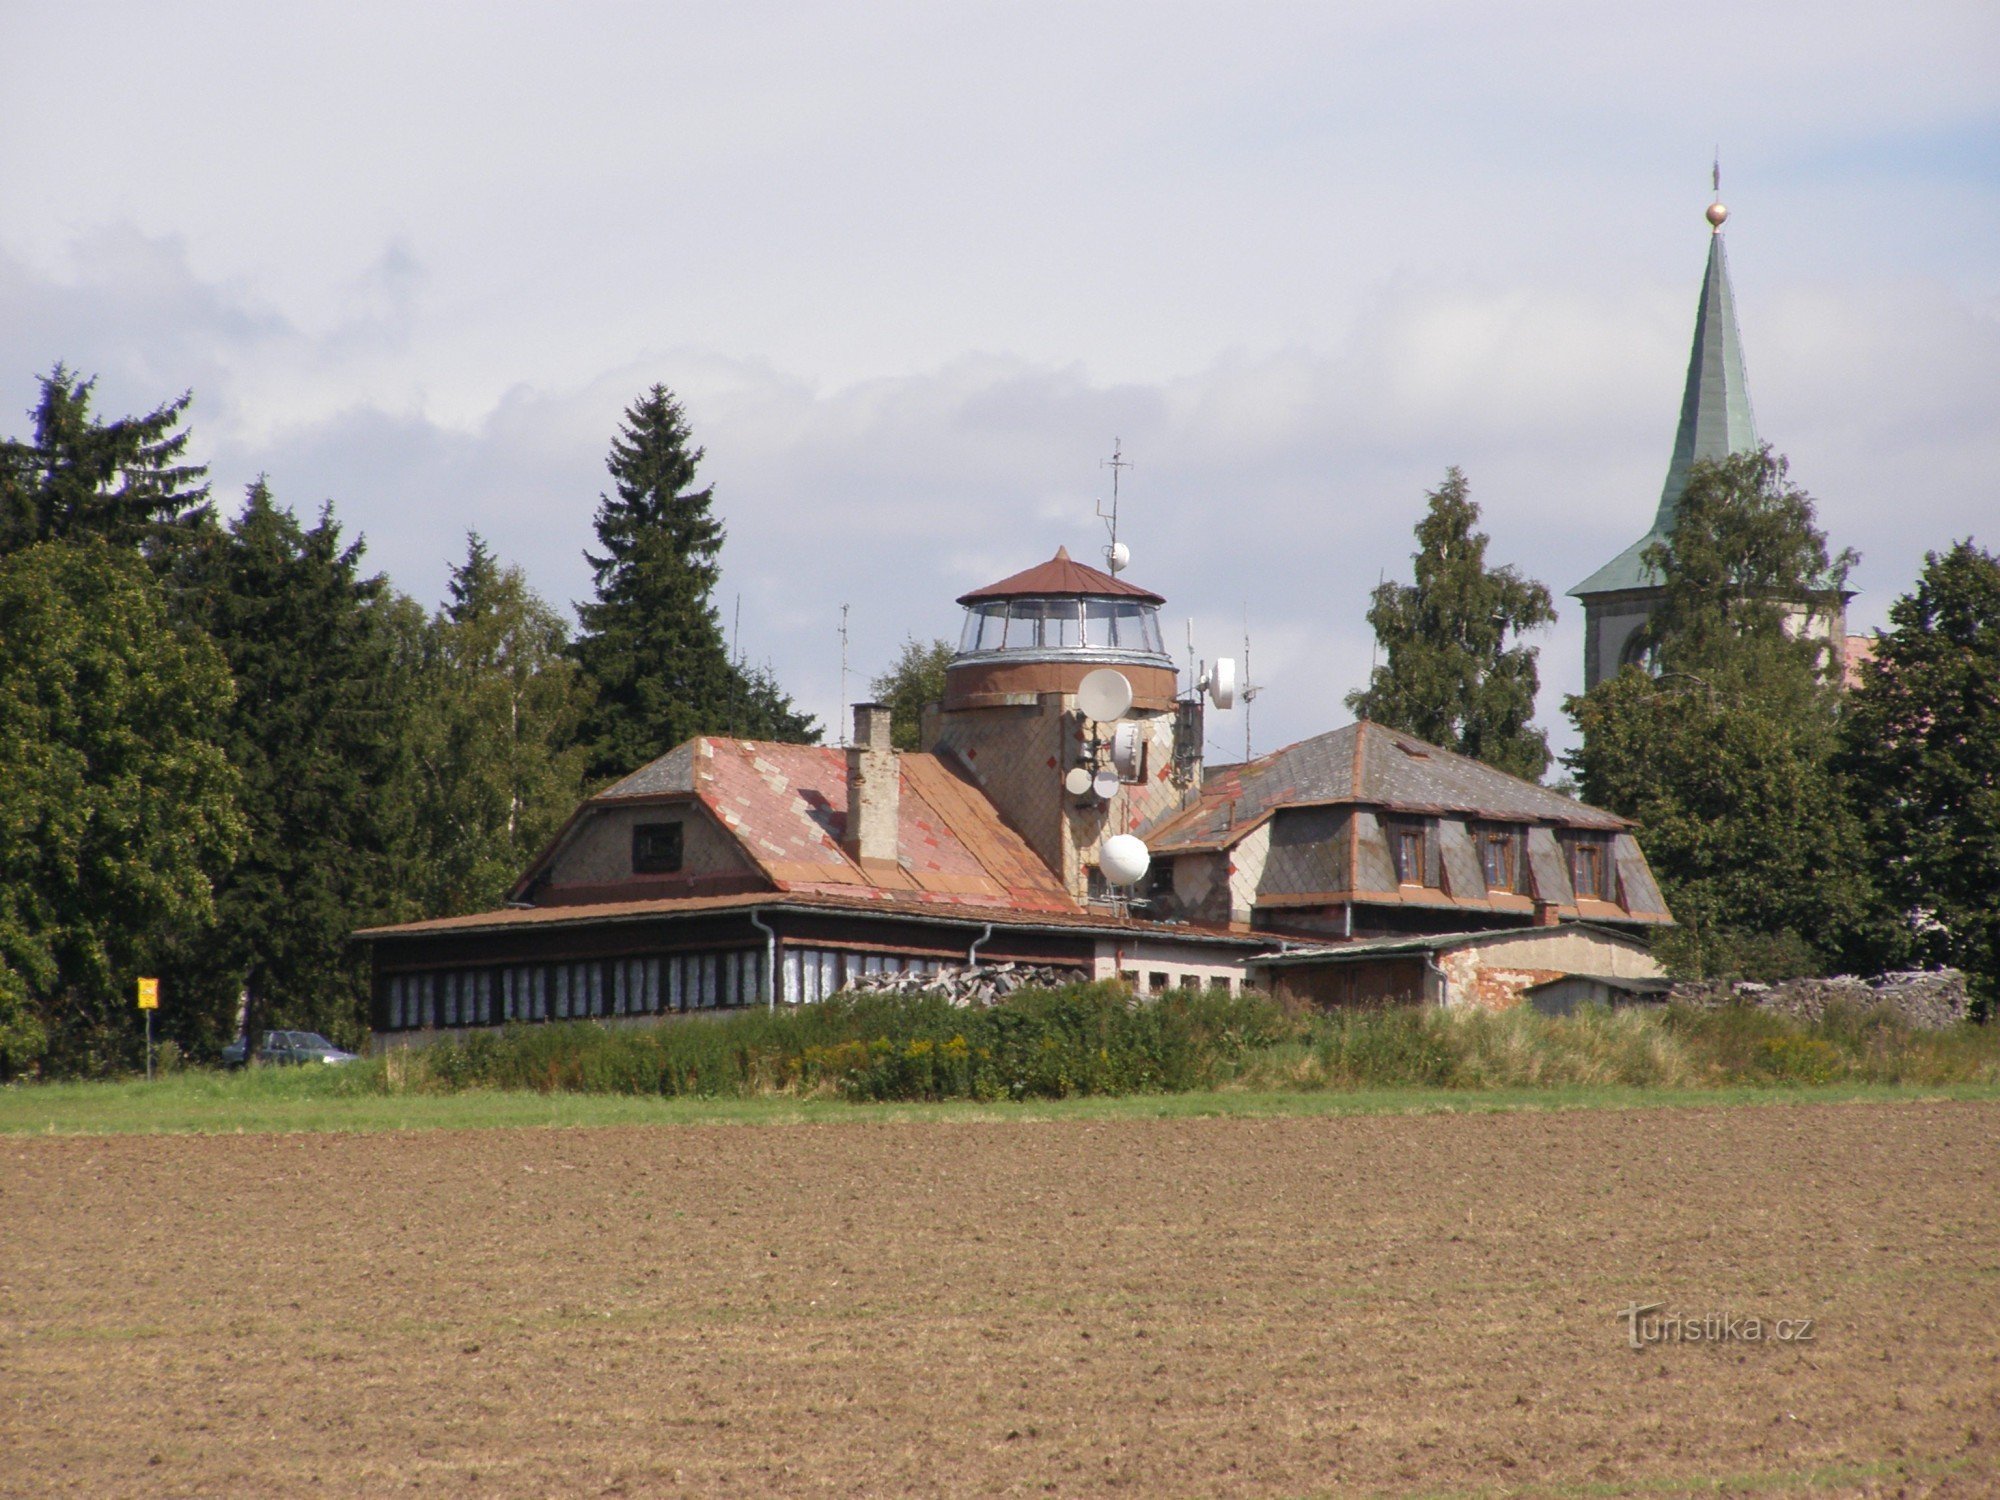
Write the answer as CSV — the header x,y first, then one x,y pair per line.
x,y
1060,575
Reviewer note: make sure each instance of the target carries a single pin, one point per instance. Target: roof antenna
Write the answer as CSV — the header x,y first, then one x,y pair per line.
x,y
842,717
1716,212
1251,687
1116,555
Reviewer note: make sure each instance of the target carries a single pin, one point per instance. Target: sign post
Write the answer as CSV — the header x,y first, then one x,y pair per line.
x,y
149,1001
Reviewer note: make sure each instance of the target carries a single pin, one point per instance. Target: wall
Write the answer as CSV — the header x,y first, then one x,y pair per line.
x,y
599,849
1494,973
1180,964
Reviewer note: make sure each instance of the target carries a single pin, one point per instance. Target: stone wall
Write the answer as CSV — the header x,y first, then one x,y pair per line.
x,y
1929,1000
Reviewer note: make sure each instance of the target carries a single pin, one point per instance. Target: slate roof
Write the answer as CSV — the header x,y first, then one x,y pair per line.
x,y
1061,575
786,806
1715,421
1369,764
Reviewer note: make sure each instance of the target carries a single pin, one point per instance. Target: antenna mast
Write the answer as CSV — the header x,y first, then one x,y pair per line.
x,y
1114,554
1250,689
842,717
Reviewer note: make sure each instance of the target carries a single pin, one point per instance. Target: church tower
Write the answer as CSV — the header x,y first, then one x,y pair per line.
x,y
1622,595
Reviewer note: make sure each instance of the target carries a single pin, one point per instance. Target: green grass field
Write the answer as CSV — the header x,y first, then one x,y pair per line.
x,y
293,1099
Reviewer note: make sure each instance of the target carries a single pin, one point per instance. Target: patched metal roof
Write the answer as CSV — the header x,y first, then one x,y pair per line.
x,y
1060,576
1368,764
1715,422
1440,942
786,807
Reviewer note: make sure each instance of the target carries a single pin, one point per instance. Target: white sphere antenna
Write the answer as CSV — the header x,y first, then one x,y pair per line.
x,y
1124,859
1118,557
1104,694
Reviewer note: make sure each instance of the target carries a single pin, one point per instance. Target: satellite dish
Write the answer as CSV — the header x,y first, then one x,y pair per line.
x,y
1077,780
1104,694
1125,749
1105,783
1119,556
1124,859
1222,682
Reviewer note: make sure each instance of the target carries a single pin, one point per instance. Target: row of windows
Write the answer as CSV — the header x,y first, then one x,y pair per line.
x,y
1062,624
623,986
1502,858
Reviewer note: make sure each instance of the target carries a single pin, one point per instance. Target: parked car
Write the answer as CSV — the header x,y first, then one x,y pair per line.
x,y
288,1047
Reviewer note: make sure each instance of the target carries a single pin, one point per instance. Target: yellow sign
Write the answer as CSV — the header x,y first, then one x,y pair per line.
x,y
149,994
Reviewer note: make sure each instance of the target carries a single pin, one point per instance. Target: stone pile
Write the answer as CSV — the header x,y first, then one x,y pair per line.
x,y
1926,999
980,985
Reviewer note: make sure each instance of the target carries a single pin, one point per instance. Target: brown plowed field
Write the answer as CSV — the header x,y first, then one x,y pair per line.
x,y
1147,1307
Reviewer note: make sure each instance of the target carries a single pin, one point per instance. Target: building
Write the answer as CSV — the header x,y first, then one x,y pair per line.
x,y
1715,422
730,873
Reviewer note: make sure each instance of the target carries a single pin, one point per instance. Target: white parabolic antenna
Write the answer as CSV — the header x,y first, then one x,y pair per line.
x,y
1104,694
1105,784
1119,556
1222,682
1124,859
1125,750
1076,781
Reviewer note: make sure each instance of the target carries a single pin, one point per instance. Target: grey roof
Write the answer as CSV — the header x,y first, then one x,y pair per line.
x,y
1369,764
1715,422
1435,942
672,772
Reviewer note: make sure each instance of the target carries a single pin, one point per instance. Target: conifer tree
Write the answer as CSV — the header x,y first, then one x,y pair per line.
x,y
1921,749
126,482
1449,675
327,663
651,642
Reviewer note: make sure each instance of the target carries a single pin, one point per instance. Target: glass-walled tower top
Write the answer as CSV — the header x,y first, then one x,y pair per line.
x,y
1063,611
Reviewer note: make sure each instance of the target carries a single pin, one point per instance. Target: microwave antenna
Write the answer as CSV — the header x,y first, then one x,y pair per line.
x,y
1116,555
1251,687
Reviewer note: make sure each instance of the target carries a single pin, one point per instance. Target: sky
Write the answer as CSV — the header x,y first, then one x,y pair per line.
x,y
913,269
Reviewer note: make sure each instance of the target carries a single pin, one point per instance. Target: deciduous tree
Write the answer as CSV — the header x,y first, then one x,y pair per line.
x,y
1921,748
118,809
1450,675
913,682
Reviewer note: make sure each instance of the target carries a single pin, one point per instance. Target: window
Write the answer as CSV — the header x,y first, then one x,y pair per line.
x,y
1158,982
1500,857
1406,848
1589,872
656,848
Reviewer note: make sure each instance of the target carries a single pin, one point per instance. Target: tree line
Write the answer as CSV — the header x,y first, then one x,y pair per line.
x,y
1796,825
227,745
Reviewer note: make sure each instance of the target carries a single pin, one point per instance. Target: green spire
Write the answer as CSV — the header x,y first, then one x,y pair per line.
x,y
1715,416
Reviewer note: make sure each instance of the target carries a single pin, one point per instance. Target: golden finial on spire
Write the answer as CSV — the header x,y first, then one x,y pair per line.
x,y
1716,212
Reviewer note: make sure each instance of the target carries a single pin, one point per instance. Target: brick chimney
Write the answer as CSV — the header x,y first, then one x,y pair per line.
x,y
1546,914
874,787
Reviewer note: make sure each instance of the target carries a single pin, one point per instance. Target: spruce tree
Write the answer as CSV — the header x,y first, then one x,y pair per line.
x,y
126,482
1449,675
327,663
1921,749
651,642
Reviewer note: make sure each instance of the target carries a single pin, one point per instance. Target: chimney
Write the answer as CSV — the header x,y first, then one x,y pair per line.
x,y
874,787
1545,913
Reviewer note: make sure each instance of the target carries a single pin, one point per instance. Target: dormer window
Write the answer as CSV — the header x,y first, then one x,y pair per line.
x,y
1590,867
1499,856
656,848
1407,847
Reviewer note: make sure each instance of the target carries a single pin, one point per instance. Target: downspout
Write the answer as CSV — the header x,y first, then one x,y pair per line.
x,y
972,953
1432,966
773,977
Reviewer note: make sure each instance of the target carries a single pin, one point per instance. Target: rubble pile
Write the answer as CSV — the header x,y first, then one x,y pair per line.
x,y
1926,999
962,986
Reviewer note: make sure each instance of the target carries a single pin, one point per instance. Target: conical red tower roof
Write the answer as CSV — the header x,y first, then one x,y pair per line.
x,y
1060,575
